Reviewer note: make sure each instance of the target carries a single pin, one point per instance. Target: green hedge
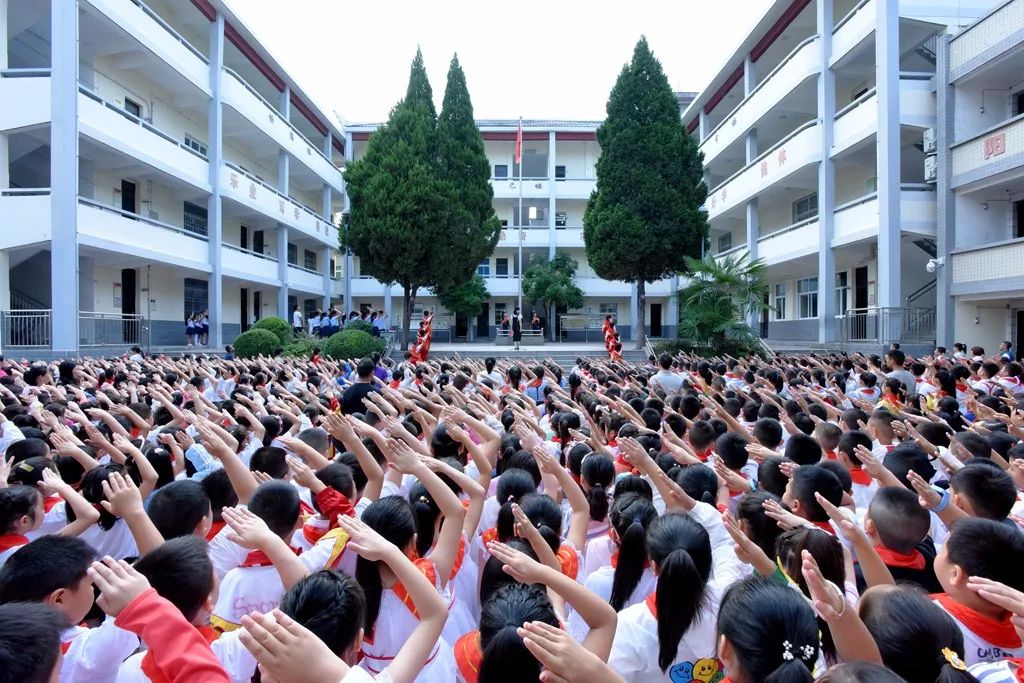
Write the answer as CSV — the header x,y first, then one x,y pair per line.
x,y
352,344
359,324
276,326
256,342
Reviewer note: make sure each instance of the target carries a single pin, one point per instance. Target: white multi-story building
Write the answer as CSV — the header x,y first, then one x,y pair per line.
x,y
980,169
558,177
156,161
813,139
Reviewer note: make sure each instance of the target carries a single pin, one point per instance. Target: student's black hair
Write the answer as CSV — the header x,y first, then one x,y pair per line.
x,y
270,460
772,630
43,566
906,457
427,513
632,484
912,632
681,549
177,508
92,491
803,450
505,657
989,490
701,434
545,514
988,549
30,640
277,504
181,572
70,470
842,474
331,604
768,432
848,443
630,517
732,449
900,521
493,577
827,552
23,449
763,530
770,477
598,472
859,672
698,481
524,460
218,489
17,502
811,479
976,444
391,517
513,486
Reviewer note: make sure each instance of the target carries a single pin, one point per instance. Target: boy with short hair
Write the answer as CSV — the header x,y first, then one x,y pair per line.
x,y
31,644
800,490
827,435
898,527
863,485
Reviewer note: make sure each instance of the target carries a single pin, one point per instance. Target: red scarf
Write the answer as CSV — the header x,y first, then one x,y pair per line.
x,y
962,387
469,656
615,560
536,383
8,541
705,454
258,558
215,528
652,604
831,455
155,674
51,502
429,570
998,632
825,526
911,560
859,476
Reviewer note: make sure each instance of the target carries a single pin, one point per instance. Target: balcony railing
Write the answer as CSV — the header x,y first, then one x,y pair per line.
x,y
25,329
249,252
30,72
112,330
142,219
167,27
887,325
25,192
849,15
287,198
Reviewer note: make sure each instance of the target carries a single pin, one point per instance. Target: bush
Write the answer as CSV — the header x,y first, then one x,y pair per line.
x,y
302,346
352,344
256,342
276,326
359,324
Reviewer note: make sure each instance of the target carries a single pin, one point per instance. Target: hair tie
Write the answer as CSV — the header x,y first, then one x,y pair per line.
x,y
424,499
636,522
953,659
510,499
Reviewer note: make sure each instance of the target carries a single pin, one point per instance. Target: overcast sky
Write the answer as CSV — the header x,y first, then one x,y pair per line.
x,y
536,59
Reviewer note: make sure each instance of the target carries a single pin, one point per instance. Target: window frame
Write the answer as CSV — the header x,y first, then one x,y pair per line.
x,y
724,242
806,213
807,300
779,296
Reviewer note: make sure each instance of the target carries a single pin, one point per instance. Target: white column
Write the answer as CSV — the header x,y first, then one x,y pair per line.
x,y
887,68
945,228
64,176
753,232
215,208
4,33
827,179
634,312
5,280
749,75
704,127
283,158
552,206
348,254
326,265
282,273
328,149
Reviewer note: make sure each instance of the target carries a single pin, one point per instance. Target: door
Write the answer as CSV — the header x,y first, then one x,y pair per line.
x,y
859,321
243,238
128,196
764,316
656,320
129,292
257,241
1018,209
257,305
244,308
461,325
1019,339
483,323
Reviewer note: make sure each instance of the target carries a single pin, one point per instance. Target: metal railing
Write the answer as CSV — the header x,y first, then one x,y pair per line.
x,y
589,325
167,27
112,330
849,15
26,72
249,252
25,192
142,219
887,325
25,329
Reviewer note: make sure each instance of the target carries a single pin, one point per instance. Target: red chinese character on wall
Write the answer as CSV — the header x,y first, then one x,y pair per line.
x,y
724,193
234,181
713,201
782,156
995,145
764,168
252,190
280,206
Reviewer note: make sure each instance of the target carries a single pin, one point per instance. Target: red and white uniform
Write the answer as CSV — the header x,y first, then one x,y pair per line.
x,y
985,639
10,544
93,655
600,583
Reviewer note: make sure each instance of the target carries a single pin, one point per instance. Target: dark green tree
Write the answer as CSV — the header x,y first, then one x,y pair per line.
x,y
644,217
551,284
474,229
467,298
399,204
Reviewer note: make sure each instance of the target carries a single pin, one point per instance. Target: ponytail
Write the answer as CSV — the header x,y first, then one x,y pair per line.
x,y
513,485
391,517
630,517
17,502
598,471
505,657
681,549
92,491
790,671
426,513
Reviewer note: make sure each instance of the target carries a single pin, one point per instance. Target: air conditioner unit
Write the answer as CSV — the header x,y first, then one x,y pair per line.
x,y
929,140
931,169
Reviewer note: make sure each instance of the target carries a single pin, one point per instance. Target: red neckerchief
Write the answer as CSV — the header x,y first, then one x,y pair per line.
x,y
429,570
305,508
705,454
8,541
859,476
569,559
395,383
825,526
652,604
998,632
615,560
831,455
612,443
489,535
961,387
215,528
911,560
258,558
312,534
155,674
51,502
869,391
469,656
893,400
734,493
536,383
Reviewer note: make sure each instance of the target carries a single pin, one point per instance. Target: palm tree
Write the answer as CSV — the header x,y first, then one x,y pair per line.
x,y
717,299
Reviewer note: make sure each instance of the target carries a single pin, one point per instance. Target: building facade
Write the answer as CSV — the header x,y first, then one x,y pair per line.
x,y
813,137
558,159
980,168
158,163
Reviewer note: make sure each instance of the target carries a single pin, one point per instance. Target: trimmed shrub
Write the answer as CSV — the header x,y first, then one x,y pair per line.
x,y
352,344
302,347
276,326
359,324
256,342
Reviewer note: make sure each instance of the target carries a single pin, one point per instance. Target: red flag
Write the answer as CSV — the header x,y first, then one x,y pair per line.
x,y
519,143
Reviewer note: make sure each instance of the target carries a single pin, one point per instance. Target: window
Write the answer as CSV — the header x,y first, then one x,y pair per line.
x,y
807,297
309,307
534,214
842,293
197,296
196,220
805,208
559,172
133,108
780,301
535,163
309,259
334,268
501,267
500,171
499,313
724,242
293,255
243,237
195,145
607,308
484,269
504,223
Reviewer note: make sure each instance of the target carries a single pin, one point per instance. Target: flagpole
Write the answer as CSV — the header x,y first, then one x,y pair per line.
x,y
519,230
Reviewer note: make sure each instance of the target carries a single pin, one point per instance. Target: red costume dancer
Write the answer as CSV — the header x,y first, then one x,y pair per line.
x,y
421,348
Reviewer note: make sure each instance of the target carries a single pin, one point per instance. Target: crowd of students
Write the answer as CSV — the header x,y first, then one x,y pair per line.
x,y
796,518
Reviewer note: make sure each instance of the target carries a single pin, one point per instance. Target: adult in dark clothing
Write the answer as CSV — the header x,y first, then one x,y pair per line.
x,y
517,328
352,399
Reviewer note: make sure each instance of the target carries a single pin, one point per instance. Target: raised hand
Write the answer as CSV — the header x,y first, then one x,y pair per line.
x,y
122,495
119,584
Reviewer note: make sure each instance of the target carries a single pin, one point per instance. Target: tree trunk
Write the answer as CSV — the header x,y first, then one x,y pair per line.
x,y
408,301
641,314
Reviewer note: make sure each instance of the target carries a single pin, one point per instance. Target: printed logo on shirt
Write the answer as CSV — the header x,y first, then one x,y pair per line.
x,y
707,670
242,606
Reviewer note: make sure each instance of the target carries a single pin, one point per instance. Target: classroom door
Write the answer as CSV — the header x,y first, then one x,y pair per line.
x,y
129,293
128,196
656,320
244,308
483,323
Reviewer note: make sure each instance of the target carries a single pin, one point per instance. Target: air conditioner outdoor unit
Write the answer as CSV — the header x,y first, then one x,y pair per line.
x,y
931,169
929,140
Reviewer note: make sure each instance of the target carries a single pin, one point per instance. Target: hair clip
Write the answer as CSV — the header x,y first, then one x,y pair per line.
x,y
808,652
787,652
953,659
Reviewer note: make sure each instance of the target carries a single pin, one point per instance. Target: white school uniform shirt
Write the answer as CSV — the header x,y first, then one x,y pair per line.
x,y
118,542
600,583
237,662
863,493
296,319
94,654
978,650
985,386
314,322
1012,385
245,590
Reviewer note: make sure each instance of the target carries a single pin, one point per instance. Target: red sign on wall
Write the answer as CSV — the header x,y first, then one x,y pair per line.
x,y
995,145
